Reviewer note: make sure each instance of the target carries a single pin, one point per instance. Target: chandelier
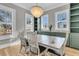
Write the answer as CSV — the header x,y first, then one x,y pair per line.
x,y
36,11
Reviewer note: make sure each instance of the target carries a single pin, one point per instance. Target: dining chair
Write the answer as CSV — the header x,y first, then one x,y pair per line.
x,y
61,51
24,43
33,43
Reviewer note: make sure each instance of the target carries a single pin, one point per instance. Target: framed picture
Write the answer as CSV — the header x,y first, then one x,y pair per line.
x,y
62,20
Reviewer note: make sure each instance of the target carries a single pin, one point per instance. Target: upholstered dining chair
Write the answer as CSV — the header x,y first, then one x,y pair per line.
x,y
24,43
33,43
61,51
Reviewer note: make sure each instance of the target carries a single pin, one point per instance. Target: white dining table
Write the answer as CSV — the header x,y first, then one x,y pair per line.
x,y
50,41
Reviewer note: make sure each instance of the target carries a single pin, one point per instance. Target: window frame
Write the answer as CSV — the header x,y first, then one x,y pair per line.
x,y
67,20
47,24
29,25
13,21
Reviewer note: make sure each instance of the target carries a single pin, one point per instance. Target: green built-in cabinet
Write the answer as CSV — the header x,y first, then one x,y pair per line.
x,y
74,25
74,40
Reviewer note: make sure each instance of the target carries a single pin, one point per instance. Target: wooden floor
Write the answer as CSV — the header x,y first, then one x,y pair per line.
x,y
14,51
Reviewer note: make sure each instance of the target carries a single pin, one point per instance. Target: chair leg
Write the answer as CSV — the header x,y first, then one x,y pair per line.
x,y
64,54
25,48
20,49
29,50
46,52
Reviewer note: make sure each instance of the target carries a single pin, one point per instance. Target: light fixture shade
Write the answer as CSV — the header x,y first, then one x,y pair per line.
x,y
36,11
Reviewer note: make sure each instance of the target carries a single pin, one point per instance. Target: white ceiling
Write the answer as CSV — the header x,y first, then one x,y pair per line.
x,y
45,6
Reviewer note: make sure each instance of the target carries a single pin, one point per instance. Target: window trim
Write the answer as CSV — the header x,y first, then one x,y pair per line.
x,y
67,21
13,14
29,25
48,22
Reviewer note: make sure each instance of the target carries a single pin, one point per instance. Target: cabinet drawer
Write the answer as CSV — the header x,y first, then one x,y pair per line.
x,y
74,40
74,44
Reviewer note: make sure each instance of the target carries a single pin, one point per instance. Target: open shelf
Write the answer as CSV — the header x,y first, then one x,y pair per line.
x,y
74,8
74,30
74,5
74,27
74,24
75,21
76,11
77,14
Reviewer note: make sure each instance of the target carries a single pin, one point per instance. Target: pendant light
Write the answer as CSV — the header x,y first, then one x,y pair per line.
x,y
37,11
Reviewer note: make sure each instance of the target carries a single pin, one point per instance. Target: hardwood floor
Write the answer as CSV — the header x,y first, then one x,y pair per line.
x,y
14,51
71,52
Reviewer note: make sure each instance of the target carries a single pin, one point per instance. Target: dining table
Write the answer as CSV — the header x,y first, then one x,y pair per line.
x,y
50,41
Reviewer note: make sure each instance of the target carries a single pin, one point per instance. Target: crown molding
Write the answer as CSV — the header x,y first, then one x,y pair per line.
x,y
44,10
56,7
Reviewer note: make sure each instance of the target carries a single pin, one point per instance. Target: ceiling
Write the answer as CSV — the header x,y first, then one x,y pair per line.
x,y
45,6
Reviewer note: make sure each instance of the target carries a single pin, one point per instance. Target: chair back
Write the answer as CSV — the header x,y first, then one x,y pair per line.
x,y
21,37
32,39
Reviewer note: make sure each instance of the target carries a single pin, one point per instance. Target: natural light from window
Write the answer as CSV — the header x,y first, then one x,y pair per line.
x,y
44,23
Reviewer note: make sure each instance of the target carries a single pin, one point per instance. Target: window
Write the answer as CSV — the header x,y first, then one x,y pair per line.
x,y
7,21
29,22
62,20
44,22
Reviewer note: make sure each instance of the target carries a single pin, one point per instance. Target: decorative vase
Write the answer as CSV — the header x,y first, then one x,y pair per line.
x,y
50,27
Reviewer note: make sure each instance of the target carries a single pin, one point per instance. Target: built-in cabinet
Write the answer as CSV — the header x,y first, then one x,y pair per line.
x,y
74,25
74,40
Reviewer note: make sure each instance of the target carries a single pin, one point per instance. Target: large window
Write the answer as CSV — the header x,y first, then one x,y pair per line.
x,y
29,22
7,21
44,23
62,20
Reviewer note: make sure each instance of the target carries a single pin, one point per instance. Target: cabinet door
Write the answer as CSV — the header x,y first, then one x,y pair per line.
x,y
74,40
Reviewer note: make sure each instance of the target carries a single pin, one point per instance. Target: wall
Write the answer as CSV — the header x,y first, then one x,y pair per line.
x,y
51,15
20,15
